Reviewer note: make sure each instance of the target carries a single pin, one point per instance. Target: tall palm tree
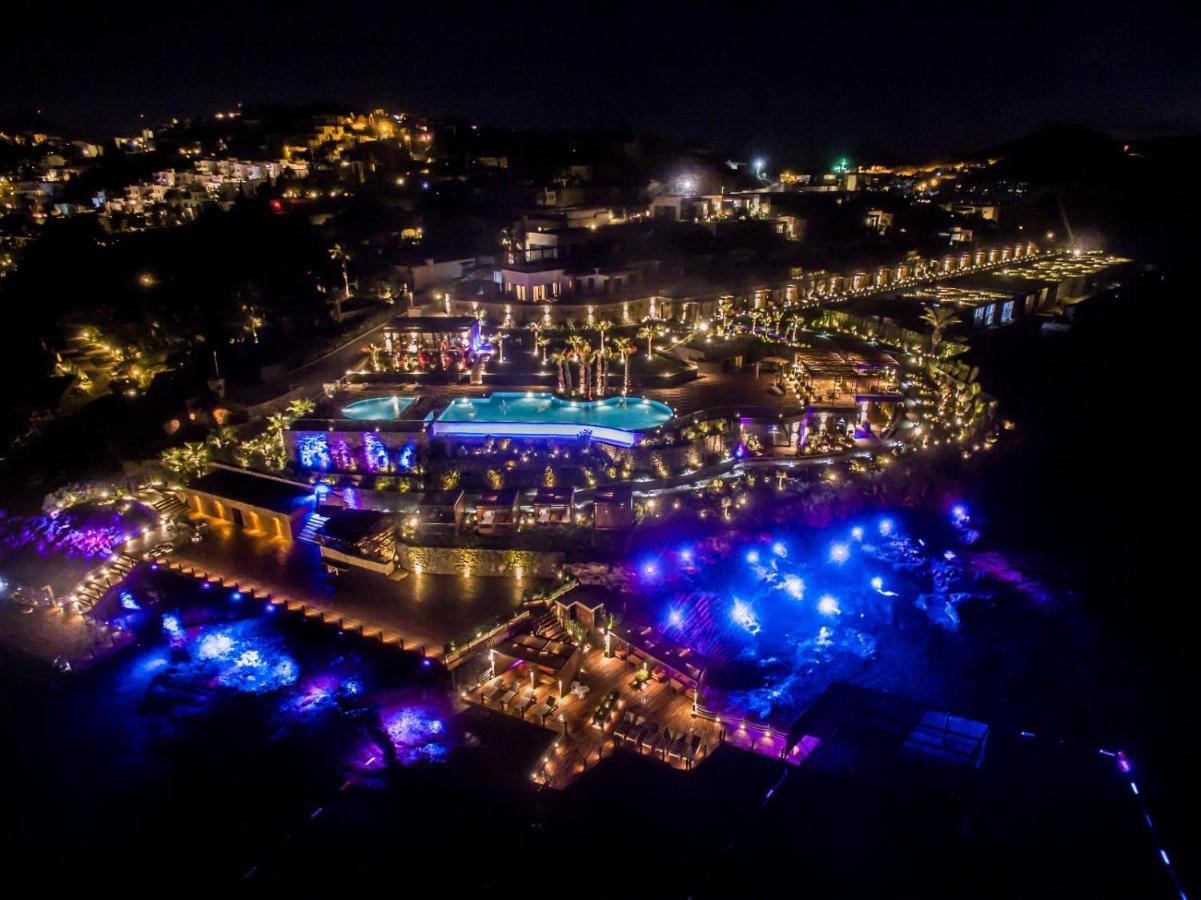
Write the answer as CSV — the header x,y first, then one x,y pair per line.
x,y
537,328
560,358
580,350
649,333
628,349
602,372
939,318
603,326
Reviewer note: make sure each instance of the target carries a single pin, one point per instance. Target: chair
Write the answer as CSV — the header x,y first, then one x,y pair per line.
x,y
649,737
677,746
662,742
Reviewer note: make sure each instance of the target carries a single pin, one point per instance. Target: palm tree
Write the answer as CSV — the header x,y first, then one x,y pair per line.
x,y
299,408
276,426
602,372
223,437
940,318
560,358
649,333
603,326
580,350
627,349
195,457
537,328
175,460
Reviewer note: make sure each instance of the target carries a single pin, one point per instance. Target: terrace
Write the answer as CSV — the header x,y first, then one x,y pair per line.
x,y
605,709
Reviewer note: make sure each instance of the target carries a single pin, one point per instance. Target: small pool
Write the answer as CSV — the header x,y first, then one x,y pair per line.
x,y
377,409
616,420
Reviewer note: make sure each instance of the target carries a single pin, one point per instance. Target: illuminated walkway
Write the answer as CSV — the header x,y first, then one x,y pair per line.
x,y
424,612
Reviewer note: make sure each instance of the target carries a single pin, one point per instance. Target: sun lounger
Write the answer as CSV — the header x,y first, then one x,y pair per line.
x,y
491,690
691,750
526,701
635,732
624,725
662,742
649,735
676,749
508,696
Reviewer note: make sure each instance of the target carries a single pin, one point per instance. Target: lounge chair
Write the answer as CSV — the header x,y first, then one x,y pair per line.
x,y
507,697
676,749
691,750
634,735
526,701
662,742
491,690
649,736
627,721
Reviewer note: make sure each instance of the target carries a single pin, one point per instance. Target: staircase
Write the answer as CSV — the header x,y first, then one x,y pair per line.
x,y
312,528
169,505
89,591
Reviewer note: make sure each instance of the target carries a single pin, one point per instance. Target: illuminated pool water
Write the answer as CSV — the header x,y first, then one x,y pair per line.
x,y
378,409
616,420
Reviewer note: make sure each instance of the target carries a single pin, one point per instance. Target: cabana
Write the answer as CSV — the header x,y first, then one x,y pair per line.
x,y
496,511
546,661
613,508
440,511
554,505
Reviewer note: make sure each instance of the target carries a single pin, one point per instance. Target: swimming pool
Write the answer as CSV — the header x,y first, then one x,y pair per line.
x,y
377,409
616,420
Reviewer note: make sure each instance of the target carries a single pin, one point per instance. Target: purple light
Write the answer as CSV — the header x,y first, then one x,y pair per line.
x,y
1124,764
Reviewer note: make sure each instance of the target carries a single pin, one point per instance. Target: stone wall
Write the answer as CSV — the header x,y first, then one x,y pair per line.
x,y
479,561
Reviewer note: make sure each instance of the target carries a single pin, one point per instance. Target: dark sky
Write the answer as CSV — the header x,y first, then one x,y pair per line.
x,y
796,83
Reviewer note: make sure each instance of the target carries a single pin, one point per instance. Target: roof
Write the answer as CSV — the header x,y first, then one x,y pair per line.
x,y
552,654
253,490
441,498
432,324
349,526
504,497
614,493
660,648
554,496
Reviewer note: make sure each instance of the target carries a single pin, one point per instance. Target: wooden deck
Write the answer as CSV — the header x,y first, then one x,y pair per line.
x,y
581,744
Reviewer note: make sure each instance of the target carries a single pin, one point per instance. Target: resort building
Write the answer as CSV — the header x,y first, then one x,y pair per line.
x,y
255,503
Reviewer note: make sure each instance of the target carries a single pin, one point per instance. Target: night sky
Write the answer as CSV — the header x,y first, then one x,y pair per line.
x,y
795,83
